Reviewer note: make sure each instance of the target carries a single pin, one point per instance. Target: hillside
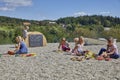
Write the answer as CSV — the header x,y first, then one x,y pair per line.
x,y
106,21
69,27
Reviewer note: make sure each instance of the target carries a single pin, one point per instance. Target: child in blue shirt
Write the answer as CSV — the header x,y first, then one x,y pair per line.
x,y
21,48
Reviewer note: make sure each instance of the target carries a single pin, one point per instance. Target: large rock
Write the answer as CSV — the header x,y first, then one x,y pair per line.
x,y
35,39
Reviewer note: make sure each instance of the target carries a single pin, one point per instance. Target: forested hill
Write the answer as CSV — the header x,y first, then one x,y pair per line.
x,y
106,21
10,21
69,27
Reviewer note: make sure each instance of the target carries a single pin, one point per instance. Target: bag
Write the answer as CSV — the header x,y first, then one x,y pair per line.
x,y
11,53
90,54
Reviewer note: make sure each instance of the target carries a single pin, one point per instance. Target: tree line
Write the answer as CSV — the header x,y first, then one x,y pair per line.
x,y
69,27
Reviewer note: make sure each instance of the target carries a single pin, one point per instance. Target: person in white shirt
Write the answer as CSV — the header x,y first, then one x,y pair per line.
x,y
78,49
111,51
25,31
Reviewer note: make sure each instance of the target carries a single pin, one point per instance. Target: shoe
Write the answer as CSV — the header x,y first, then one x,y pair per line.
x,y
107,59
100,58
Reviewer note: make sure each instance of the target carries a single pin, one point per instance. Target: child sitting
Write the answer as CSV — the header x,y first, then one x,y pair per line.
x,y
64,45
21,48
111,51
76,41
78,49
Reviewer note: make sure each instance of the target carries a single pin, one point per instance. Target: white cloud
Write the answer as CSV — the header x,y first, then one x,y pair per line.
x,y
8,5
6,9
105,12
80,14
84,13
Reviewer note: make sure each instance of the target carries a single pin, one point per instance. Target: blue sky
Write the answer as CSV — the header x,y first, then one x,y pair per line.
x,y
55,9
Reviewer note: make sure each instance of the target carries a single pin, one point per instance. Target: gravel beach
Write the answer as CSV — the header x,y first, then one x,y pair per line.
x,y
51,65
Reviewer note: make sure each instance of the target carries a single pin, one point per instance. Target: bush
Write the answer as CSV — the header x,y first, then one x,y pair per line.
x,y
114,32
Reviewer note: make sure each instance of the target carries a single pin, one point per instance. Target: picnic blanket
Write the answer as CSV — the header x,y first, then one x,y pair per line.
x,y
88,55
19,55
25,55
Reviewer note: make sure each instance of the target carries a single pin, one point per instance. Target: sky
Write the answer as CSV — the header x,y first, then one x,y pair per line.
x,y
55,9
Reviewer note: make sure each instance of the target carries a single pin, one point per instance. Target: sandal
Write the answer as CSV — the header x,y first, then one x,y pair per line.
x,y
100,58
